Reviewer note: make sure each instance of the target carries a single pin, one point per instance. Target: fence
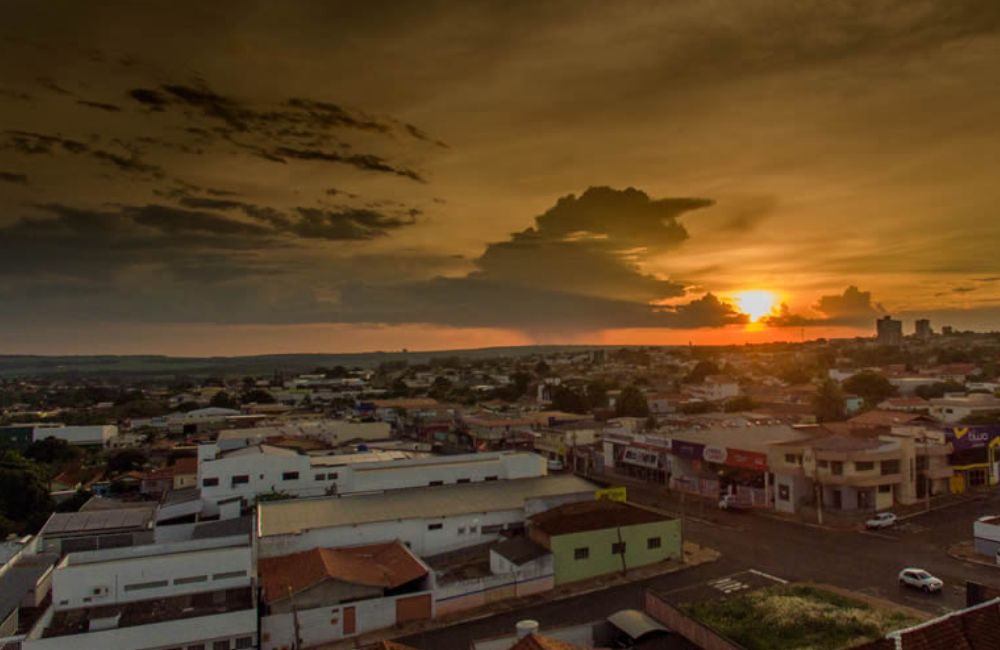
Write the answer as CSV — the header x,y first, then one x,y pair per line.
x,y
676,620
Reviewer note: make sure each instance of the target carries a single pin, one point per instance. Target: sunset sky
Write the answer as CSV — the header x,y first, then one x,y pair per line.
x,y
238,178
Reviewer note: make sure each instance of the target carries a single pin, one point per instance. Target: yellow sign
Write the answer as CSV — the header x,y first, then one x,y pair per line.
x,y
611,494
960,432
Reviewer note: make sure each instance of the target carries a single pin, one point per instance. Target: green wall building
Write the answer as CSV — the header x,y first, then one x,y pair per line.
x,y
594,538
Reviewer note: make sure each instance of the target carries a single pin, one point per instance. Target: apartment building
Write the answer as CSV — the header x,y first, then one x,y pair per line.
x,y
862,470
153,597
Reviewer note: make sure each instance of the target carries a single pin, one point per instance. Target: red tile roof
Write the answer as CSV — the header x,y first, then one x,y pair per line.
x,y
378,565
593,515
974,628
185,465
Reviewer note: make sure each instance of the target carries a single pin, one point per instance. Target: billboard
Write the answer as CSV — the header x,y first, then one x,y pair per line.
x,y
972,437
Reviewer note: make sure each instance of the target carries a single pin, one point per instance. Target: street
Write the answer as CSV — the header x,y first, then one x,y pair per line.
x,y
863,561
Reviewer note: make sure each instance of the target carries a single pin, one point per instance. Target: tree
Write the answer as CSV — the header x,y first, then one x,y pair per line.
x,y
631,403
988,418
737,404
24,498
938,389
828,404
75,502
542,369
701,370
126,460
224,400
870,386
569,400
52,451
257,396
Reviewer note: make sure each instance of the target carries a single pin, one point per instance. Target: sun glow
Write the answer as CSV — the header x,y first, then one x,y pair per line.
x,y
756,304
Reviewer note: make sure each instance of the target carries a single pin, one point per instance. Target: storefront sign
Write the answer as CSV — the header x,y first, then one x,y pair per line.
x,y
747,459
971,437
692,450
641,457
713,454
611,494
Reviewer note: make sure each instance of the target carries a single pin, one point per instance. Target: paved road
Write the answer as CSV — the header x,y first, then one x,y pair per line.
x,y
868,562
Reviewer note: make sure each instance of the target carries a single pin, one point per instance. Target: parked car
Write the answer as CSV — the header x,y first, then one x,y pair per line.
x,y
920,579
731,502
555,465
881,520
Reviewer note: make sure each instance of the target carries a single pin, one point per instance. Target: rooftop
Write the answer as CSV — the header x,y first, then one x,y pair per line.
x,y
593,515
153,550
17,581
388,565
62,524
297,515
519,550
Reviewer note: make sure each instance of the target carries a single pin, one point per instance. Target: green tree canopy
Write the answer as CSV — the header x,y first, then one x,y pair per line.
x,y
24,497
632,403
870,386
828,404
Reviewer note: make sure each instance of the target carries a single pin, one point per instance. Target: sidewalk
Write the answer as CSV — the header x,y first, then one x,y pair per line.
x,y
694,555
966,552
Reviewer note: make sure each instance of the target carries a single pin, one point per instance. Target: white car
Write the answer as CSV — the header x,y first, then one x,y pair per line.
x,y
920,579
881,520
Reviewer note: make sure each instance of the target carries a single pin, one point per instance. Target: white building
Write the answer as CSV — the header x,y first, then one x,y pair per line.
x,y
263,469
186,594
331,432
953,408
716,388
99,435
428,521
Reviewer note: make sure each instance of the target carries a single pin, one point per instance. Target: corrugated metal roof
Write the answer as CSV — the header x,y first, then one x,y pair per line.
x,y
64,523
297,515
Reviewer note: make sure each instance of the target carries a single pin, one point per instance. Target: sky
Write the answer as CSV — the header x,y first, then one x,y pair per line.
x,y
220,178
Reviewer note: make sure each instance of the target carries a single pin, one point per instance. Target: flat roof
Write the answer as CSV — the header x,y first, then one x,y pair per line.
x,y
593,515
68,523
153,550
297,515
17,581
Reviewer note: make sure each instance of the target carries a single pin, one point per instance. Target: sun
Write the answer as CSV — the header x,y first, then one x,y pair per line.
x,y
756,303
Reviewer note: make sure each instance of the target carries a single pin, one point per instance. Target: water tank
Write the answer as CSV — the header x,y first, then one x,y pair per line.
x,y
526,627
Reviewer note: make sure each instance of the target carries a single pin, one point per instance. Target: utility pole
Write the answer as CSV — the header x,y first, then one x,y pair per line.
x,y
927,476
819,503
295,619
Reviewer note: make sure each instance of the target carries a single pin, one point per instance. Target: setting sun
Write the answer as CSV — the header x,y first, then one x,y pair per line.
x,y
756,304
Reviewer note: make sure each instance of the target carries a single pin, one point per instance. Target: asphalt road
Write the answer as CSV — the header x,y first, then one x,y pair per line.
x,y
867,562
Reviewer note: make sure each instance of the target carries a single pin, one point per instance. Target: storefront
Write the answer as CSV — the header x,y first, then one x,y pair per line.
x,y
975,457
639,456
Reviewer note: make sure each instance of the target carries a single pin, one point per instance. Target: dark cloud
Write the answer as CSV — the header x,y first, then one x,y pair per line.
x,y
963,289
110,108
149,98
576,268
13,177
52,86
853,308
368,162
30,143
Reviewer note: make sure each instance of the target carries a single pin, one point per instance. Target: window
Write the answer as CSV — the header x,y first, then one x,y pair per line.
x,y
784,492
885,488
209,482
244,642
435,526
463,480
890,467
146,585
220,645
837,467
618,548
492,478
581,553
864,466
241,479
321,477
472,529
197,646
461,530
822,463
435,483
491,529
332,476
653,542
791,459
290,476
190,580
229,574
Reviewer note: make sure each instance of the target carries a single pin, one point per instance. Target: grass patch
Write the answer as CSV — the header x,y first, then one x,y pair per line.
x,y
796,617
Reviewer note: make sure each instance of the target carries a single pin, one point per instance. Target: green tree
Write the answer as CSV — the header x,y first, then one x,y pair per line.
x,y
631,403
701,370
75,502
126,460
569,400
828,404
870,386
52,451
257,396
224,400
24,497
938,389
542,369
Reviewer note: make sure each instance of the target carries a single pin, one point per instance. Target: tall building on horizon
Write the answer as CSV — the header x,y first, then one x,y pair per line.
x,y
923,329
889,331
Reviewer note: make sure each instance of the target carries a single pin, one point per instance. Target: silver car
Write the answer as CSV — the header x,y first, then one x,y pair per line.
x,y
920,579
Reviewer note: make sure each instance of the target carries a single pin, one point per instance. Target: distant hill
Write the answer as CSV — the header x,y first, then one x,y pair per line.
x,y
163,367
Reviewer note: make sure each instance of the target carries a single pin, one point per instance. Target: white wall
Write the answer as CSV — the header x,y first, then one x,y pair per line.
x,y
414,532
74,585
78,435
171,634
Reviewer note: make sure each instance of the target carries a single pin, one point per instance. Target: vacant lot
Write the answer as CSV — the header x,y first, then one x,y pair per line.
x,y
796,617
